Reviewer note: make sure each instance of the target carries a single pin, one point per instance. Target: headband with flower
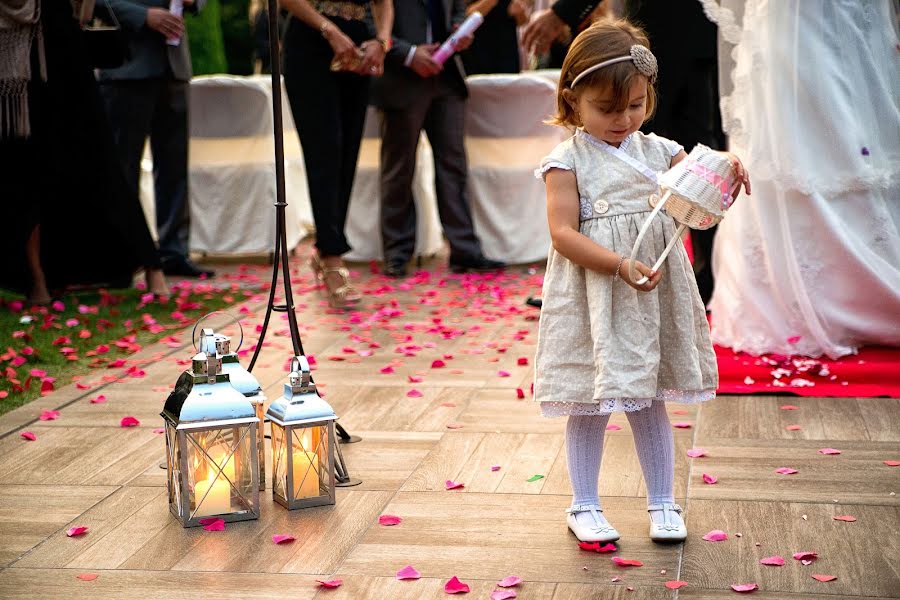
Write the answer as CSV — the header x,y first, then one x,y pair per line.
x,y
643,60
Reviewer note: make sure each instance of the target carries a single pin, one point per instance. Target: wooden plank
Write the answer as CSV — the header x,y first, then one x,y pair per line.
x,y
361,587
859,554
29,514
534,456
444,462
102,519
495,449
384,460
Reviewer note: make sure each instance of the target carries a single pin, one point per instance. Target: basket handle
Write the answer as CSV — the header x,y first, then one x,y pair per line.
x,y
632,272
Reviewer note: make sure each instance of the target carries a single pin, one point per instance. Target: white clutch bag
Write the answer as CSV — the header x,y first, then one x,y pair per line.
x,y
696,192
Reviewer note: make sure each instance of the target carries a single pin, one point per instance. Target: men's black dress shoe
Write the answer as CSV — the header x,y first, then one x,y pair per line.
x,y
183,267
478,264
394,269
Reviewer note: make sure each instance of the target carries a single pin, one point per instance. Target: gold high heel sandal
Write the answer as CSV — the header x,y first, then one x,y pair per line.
x,y
343,296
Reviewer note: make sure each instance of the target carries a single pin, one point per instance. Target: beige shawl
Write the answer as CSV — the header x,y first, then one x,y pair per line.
x,y
19,25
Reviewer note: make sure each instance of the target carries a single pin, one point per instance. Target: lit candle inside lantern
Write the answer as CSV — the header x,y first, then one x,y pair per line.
x,y
306,474
218,499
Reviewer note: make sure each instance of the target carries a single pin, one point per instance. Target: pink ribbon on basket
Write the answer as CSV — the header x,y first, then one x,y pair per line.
x,y
714,179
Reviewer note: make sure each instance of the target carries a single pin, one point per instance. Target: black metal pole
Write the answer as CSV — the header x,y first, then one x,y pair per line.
x,y
281,255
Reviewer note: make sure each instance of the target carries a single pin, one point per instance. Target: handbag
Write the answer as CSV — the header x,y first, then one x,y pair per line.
x,y
107,46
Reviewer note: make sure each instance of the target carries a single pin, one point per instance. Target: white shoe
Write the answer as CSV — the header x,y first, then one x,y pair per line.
x,y
672,529
594,533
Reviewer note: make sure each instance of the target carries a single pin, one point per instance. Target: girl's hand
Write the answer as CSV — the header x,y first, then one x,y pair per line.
x,y
373,58
343,47
742,174
643,270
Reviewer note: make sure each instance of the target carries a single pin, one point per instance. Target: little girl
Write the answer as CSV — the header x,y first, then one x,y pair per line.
x,y
606,343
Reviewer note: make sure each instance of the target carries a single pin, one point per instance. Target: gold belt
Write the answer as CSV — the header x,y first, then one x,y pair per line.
x,y
344,10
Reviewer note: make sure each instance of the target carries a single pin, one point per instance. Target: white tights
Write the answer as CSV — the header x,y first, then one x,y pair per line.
x,y
655,448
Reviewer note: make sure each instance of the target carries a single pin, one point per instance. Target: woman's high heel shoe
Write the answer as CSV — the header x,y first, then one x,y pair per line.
x,y
342,296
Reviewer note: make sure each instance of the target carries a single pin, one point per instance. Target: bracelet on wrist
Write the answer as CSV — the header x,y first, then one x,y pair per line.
x,y
323,28
386,44
619,268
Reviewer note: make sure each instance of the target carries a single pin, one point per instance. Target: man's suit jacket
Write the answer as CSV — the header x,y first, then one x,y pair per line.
x,y
400,85
151,56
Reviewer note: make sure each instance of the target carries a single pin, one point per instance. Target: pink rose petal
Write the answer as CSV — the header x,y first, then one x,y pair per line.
x,y
522,361
437,364
330,583
744,587
408,572
503,373
87,576
452,485
214,525
710,479
455,586
509,581
892,463
696,452
454,425
676,584
806,556
520,393
99,399
786,471
613,427
716,535
772,561
158,430
789,407
624,562
283,538
503,594
823,578
846,518
49,415
596,547
387,370
27,435
793,428
389,520
75,531
495,467
682,425
413,393
129,422
829,451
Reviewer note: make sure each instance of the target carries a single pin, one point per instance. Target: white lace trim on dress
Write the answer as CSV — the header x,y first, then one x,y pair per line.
x,y
606,406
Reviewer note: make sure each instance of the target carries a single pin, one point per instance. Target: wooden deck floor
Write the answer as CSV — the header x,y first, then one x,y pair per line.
x,y
84,469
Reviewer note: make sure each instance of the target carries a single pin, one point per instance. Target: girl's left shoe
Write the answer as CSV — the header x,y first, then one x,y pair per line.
x,y
672,528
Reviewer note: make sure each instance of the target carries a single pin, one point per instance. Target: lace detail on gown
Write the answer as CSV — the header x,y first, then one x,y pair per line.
x,y
610,405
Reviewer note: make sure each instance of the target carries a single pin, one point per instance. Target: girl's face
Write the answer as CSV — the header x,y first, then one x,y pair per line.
x,y
594,106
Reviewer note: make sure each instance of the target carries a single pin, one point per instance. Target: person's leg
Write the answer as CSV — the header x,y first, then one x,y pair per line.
x,y
655,447
38,292
400,129
584,451
169,145
444,125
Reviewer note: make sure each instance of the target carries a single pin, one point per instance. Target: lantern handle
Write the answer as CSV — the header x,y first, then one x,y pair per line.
x,y
209,314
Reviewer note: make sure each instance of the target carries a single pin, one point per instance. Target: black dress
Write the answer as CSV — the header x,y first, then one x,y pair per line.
x,y
495,48
67,178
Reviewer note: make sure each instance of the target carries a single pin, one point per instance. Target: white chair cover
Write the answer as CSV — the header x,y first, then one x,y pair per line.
x,y
506,139
232,183
363,228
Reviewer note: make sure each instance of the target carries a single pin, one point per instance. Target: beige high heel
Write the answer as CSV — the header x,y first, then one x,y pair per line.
x,y
343,296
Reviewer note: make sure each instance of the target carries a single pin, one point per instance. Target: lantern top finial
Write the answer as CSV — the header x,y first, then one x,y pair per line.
x,y
300,402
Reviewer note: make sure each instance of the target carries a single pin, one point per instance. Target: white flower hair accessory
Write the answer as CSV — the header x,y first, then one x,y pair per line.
x,y
643,60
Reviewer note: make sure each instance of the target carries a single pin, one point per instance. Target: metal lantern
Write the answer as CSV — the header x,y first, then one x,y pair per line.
x,y
244,382
302,443
212,462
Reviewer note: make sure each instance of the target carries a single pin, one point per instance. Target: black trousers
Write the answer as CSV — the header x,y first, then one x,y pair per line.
x,y
440,111
157,108
329,111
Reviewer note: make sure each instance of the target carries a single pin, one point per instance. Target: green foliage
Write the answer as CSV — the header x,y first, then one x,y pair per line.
x,y
238,36
207,42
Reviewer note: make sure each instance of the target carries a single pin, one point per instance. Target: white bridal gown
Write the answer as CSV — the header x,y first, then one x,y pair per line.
x,y
810,262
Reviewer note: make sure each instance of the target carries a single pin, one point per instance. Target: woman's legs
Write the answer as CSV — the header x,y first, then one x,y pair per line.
x,y
584,451
38,292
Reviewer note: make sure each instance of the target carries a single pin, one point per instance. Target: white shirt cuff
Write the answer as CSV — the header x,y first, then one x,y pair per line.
x,y
409,55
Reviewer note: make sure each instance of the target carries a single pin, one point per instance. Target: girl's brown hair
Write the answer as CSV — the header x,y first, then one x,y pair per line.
x,y
603,40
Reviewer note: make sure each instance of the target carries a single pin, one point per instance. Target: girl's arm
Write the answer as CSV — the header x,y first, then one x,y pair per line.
x,y
562,216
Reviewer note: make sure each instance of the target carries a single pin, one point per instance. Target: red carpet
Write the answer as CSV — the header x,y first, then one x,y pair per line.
x,y
875,371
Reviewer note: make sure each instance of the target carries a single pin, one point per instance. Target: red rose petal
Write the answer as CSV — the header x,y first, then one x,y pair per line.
x,y
215,525
49,415
129,422
823,578
76,531
455,586
99,399
772,561
330,583
846,518
27,435
596,547
806,555
892,463
87,576
623,562
674,585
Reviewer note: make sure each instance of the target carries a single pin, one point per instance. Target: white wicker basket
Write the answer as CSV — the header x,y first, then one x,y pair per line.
x,y
696,192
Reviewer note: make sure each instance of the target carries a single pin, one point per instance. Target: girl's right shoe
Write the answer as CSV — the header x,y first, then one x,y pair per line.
x,y
672,529
598,531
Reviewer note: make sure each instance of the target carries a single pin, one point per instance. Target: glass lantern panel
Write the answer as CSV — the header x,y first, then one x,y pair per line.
x,y
309,454
220,477
279,461
173,467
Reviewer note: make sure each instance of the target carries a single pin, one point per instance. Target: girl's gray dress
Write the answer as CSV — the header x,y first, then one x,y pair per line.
x,y
603,346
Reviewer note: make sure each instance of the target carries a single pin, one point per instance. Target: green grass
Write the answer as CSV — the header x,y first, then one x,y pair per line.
x,y
67,342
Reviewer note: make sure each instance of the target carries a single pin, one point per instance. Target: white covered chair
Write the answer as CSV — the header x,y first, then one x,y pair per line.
x,y
505,141
363,228
232,170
